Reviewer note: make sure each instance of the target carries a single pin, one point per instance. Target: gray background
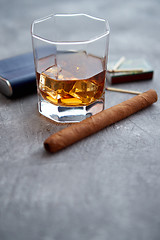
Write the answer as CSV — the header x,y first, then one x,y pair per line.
x,y
104,187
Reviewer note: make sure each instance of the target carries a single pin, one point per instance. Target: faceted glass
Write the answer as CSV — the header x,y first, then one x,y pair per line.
x,y
70,53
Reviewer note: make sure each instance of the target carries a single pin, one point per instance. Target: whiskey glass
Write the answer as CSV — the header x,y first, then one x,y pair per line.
x,y
70,54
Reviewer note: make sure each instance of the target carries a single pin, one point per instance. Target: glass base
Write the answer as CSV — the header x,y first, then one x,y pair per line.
x,y
69,114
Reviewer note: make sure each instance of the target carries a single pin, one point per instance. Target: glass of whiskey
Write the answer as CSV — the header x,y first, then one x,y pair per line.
x,y
70,55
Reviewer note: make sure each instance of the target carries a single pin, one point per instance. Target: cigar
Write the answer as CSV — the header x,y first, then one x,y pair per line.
x,y
93,124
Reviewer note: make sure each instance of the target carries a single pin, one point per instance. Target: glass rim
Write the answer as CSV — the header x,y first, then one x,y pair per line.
x,y
107,29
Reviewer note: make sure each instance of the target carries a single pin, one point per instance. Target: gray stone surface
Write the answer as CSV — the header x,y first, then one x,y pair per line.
x,y
104,187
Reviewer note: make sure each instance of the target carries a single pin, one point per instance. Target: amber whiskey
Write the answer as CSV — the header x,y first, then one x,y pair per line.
x,y
73,79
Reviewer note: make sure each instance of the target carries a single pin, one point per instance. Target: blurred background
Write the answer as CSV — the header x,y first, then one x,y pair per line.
x,y
135,25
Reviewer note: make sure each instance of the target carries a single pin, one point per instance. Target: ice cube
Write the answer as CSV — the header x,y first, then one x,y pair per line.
x,y
53,72
71,101
84,90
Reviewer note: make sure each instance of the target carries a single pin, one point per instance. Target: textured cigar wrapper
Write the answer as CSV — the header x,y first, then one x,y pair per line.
x,y
93,124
